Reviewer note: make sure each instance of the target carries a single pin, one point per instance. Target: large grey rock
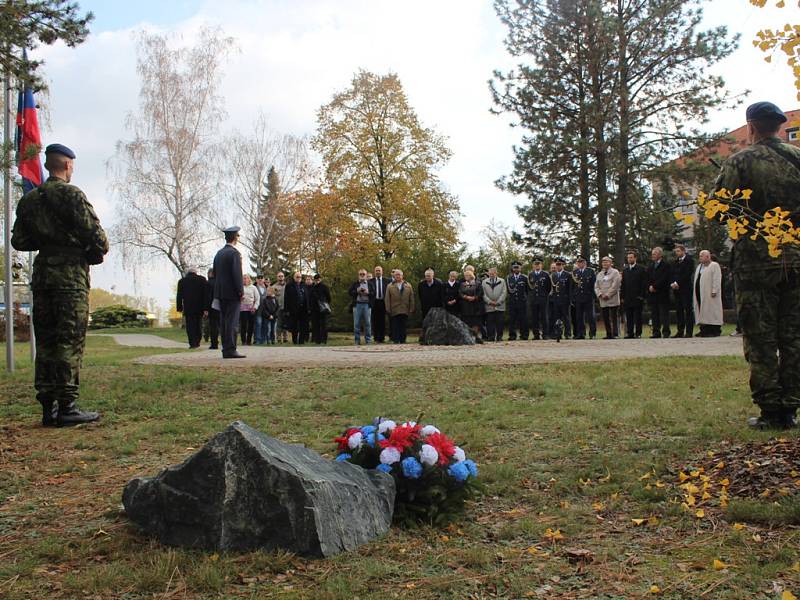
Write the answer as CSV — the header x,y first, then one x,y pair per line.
x,y
443,329
246,490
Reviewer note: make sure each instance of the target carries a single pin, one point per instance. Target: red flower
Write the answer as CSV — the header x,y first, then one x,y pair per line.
x,y
402,437
342,441
444,446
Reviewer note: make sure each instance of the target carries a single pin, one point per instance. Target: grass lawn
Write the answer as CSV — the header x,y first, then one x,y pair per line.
x,y
592,452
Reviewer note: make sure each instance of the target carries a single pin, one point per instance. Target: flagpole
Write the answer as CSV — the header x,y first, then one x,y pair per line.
x,y
9,292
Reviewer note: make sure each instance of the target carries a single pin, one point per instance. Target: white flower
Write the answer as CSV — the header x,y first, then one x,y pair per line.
x,y
386,425
409,423
429,429
355,440
390,455
428,455
459,455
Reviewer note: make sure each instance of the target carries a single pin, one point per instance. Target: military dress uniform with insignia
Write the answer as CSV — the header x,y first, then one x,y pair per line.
x,y
57,220
517,284
562,297
228,291
768,288
540,285
583,296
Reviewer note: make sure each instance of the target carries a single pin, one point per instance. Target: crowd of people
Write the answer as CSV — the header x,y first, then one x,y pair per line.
x,y
542,304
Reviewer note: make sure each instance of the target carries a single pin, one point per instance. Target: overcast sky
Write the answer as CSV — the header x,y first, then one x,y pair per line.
x,y
294,54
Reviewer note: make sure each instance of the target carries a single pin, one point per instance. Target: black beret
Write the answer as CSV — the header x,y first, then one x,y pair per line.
x,y
59,149
765,111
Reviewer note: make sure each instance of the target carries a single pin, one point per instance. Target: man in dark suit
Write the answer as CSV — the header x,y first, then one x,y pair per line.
x,y
517,303
659,277
682,276
634,289
228,291
562,296
431,293
378,285
540,285
191,301
211,312
583,279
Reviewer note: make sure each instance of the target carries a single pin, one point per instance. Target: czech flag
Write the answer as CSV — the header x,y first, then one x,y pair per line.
x,y
29,142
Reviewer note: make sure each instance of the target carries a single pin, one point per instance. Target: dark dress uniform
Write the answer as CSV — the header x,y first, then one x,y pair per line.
x,y
228,291
562,298
583,297
517,305
633,291
540,285
658,277
682,274
57,220
191,301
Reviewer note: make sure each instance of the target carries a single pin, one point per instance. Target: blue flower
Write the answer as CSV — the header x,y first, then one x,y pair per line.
x,y
412,468
343,457
459,471
368,430
472,467
371,439
384,468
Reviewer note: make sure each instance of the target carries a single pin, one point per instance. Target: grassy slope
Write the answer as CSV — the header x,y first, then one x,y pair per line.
x,y
546,437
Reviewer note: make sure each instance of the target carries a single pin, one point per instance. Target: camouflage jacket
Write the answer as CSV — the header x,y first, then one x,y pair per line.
x,y
57,220
775,181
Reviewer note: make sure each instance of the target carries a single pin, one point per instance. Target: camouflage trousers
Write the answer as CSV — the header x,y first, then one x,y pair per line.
x,y
768,302
60,318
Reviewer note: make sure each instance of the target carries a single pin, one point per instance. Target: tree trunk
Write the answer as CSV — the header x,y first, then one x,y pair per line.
x,y
623,159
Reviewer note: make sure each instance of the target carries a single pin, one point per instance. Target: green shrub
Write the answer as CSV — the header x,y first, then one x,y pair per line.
x,y
117,315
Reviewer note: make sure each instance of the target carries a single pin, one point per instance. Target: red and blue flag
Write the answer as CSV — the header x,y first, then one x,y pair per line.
x,y
29,142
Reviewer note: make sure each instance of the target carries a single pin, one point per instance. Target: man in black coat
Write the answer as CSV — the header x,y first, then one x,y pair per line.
x,y
320,310
296,303
228,291
211,312
431,293
659,277
191,301
378,285
540,285
633,291
583,296
517,303
682,276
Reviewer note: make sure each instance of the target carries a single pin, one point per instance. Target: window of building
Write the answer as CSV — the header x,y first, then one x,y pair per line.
x,y
793,134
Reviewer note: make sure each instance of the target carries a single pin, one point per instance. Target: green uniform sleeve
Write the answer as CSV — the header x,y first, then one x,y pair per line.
x,y
21,238
88,229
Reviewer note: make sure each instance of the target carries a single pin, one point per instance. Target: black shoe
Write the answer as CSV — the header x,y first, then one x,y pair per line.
x,y
678,335
213,347
478,341
655,336
49,414
772,420
629,337
579,337
234,355
69,414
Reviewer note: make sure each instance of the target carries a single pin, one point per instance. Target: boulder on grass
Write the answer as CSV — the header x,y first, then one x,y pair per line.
x,y
245,490
443,329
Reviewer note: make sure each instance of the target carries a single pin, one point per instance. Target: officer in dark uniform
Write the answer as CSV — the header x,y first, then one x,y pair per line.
x,y
228,291
539,285
561,295
517,303
57,220
583,296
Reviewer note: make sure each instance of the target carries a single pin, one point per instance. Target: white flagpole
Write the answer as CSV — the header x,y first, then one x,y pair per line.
x,y
9,292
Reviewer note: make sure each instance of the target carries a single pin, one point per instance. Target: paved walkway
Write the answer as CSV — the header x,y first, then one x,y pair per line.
x,y
409,355
142,340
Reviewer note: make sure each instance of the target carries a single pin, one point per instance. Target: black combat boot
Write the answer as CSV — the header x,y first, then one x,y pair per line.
x,y
773,419
69,414
49,413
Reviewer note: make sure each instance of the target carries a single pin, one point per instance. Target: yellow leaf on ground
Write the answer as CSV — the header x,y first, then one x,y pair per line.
x,y
654,589
787,595
725,482
598,506
682,476
738,526
719,565
637,521
700,514
796,567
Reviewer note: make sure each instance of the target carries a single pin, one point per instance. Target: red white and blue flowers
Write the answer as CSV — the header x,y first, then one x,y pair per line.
x,y
432,475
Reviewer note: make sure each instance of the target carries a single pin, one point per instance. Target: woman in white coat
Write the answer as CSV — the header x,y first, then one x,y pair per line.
x,y
707,284
606,287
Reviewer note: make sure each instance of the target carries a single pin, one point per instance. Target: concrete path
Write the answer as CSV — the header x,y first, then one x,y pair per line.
x,y
409,355
142,340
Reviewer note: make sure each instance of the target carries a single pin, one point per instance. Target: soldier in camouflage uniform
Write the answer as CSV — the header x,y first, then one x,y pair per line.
x,y
768,289
57,220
